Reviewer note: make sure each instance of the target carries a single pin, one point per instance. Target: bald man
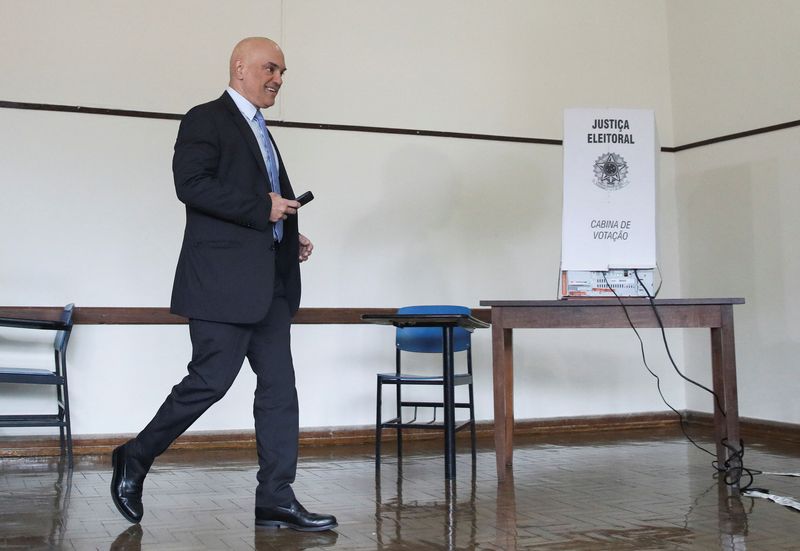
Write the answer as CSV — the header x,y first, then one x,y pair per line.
x,y
238,282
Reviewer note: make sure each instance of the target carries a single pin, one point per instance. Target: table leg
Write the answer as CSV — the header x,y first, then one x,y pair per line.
x,y
723,366
449,401
503,382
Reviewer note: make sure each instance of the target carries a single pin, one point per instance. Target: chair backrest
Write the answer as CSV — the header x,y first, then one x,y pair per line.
x,y
62,337
429,339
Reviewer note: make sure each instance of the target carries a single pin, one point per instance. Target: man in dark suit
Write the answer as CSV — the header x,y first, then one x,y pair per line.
x,y
238,282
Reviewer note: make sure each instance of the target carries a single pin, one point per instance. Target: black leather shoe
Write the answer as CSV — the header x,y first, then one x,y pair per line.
x,y
127,482
295,517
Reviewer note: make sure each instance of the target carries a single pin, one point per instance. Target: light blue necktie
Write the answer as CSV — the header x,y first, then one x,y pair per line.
x,y
272,169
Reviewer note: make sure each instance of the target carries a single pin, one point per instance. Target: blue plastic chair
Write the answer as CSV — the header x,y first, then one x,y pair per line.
x,y
426,340
55,376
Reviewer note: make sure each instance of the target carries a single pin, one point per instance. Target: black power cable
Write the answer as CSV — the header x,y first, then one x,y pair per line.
x,y
734,465
651,299
681,420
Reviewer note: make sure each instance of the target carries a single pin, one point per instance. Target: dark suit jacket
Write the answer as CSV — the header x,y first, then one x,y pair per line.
x,y
227,265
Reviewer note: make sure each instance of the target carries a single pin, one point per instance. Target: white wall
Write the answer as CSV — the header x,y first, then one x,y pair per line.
x,y
397,220
738,227
735,66
504,67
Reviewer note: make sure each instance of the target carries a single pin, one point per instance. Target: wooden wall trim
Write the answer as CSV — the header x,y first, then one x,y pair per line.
x,y
5,104
751,427
734,136
416,132
92,315
88,110
756,429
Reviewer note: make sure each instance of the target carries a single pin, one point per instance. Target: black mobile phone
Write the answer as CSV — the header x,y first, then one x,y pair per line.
x,y
305,198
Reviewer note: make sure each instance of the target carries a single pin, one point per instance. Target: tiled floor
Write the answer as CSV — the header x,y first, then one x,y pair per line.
x,y
628,492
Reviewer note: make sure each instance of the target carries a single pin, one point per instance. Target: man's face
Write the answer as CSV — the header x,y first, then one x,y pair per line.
x,y
260,73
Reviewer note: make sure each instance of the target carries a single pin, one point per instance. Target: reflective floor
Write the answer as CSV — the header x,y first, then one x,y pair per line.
x,y
632,491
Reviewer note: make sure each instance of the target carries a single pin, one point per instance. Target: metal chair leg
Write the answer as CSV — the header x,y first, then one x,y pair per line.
x,y
378,427
399,397
67,421
471,405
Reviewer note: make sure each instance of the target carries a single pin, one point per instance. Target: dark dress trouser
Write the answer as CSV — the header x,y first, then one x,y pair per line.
x,y
218,351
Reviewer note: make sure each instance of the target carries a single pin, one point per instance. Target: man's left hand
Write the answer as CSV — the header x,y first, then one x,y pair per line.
x,y
306,246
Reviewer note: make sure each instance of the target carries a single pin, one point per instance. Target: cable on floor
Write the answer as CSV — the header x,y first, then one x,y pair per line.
x,y
733,467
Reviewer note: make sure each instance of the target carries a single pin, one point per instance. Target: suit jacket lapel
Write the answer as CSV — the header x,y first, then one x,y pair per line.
x,y
246,131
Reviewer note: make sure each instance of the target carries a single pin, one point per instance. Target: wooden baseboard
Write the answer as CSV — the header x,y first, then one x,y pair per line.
x,y
46,446
752,428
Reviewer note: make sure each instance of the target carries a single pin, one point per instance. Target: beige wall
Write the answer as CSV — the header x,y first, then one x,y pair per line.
x,y
736,66
146,55
738,233
397,220
505,67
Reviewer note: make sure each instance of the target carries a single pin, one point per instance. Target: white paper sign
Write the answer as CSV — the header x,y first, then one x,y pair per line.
x,y
609,213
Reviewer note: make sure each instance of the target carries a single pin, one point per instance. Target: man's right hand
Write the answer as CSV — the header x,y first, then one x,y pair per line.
x,y
281,208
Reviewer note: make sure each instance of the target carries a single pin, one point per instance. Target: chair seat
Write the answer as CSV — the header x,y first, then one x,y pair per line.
x,y
410,379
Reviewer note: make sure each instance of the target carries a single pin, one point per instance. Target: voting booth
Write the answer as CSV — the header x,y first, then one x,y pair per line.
x,y
609,209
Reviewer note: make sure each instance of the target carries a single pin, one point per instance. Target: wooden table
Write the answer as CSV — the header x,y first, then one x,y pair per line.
x,y
714,313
